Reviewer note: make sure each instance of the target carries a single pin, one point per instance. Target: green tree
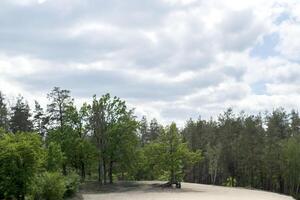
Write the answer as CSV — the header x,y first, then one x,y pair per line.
x,y
295,123
198,135
3,113
213,153
291,166
122,147
39,119
21,158
143,130
229,129
20,119
55,157
154,130
251,150
60,102
173,154
277,131
108,114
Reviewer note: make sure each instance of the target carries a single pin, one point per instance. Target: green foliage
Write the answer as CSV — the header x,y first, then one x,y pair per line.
x,y
105,138
60,101
3,113
169,154
55,157
65,138
2,132
49,186
291,165
39,119
114,132
213,154
20,119
230,182
123,143
21,157
72,181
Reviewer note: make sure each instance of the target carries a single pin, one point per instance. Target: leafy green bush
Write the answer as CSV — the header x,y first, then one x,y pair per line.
x,y
21,157
49,186
55,157
230,182
72,184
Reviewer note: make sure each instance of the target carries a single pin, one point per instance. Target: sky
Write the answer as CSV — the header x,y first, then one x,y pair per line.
x,y
169,59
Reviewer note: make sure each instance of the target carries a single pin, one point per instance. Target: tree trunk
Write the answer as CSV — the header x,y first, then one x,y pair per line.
x,y
82,171
104,171
100,171
110,172
215,176
281,184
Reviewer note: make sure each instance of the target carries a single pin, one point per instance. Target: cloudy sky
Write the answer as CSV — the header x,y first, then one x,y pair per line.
x,y
170,59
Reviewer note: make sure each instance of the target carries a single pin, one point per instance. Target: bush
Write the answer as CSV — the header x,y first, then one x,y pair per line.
x,y
49,186
21,158
72,184
55,157
230,182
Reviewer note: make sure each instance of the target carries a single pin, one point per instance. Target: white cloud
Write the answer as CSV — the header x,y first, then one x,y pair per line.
x,y
171,59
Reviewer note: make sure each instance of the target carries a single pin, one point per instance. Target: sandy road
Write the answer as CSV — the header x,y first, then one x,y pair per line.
x,y
150,191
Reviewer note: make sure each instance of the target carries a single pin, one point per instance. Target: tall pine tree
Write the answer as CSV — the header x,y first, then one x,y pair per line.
x,y
20,117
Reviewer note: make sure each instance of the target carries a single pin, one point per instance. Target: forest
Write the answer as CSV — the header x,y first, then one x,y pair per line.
x,y
45,153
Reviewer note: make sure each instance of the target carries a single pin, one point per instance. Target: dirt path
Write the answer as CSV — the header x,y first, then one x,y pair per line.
x,y
151,191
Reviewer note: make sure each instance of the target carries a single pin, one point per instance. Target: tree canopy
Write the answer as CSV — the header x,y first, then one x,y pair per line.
x,y
104,140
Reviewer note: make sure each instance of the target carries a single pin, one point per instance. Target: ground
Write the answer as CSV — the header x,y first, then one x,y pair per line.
x,y
152,191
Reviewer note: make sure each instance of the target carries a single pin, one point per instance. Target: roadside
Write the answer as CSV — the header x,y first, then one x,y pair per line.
x,y
151,190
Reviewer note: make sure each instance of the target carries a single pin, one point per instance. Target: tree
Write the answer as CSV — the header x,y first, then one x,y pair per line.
x,y
3,113
251,150
229,129
278,130
154,130
39,119
295,123
60,102
21,158
122,146
66,138
213,154
291,165
54,158
107,116
173,154
143,130
20,119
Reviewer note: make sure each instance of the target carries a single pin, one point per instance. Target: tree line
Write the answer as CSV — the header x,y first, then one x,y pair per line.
x,y
103,140
97,141
255,151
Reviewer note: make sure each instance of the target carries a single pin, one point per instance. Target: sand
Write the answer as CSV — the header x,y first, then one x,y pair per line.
x,y
189,191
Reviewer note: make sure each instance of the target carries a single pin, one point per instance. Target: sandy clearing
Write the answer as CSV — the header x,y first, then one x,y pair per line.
x,y
189,191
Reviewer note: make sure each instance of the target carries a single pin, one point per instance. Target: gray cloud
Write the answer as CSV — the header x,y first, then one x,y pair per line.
x,y
85,83
176,59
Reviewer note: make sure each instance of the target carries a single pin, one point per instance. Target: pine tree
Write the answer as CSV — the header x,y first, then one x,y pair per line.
x,y
60,101
20,119
39,119
143,130
3,113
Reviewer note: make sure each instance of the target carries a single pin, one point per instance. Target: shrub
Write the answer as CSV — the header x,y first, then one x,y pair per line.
x,y
21,157
72,184
55,157
230,182
49,186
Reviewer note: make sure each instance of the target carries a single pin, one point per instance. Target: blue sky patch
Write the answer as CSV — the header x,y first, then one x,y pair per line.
x,y
267,47
258,88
